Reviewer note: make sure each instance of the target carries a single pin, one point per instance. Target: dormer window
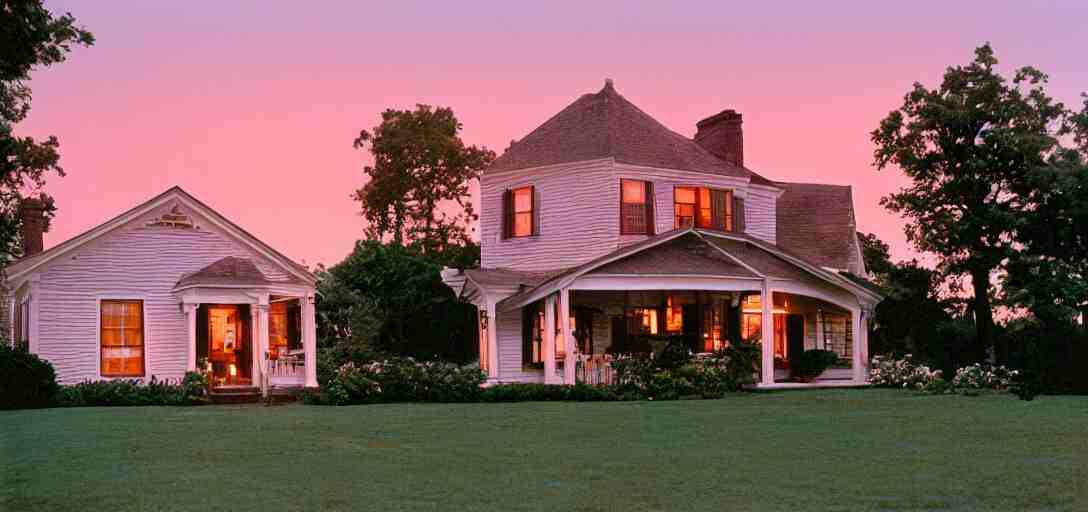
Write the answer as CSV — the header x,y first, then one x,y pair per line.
x,y
703,207
519,209
636,207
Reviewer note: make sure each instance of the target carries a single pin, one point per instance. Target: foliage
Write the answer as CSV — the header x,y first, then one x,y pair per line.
x,y
980,376
390,299
26,381
31,38
1050,358
967,147
901,373
811,363
418,186
401,380
191,390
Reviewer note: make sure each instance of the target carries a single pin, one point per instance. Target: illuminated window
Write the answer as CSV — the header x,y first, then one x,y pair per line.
x,y
684,200
636,207
643,321
704,208
483,339
122,338
518,212
674,315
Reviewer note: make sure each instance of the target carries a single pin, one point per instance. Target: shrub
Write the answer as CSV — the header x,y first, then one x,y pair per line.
x,y
400,380
191,390
901,373
26,380
981,376
811,363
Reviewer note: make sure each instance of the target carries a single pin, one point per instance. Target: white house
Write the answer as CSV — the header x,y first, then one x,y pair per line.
x,y
603,225
167,287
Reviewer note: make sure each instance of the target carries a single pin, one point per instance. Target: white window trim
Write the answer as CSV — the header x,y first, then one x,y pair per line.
x,y
98,334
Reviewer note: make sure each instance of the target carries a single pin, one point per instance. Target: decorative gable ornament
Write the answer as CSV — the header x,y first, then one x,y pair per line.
x,y
175,218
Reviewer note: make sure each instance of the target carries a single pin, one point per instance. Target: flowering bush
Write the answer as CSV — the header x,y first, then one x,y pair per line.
x,y
981,376
190,390
902,373
401,380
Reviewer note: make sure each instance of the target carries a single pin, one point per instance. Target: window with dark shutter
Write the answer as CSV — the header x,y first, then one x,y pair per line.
x,y
532,335
636,207
738,215
519,210
704,208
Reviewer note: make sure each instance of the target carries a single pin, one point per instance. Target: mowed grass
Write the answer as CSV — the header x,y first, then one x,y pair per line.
x,y
806,450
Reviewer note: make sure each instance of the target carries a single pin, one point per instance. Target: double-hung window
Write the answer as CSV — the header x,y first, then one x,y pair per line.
x,y
636,207
122,338
704,207
519,212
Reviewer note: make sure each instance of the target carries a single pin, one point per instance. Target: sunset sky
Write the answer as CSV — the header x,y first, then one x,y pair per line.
x,y
253,106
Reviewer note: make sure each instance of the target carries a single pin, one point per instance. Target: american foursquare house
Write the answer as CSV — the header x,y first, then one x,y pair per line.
x,y
602,227
167,287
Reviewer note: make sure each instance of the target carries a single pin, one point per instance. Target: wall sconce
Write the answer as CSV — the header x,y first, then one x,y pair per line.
x,y
483,320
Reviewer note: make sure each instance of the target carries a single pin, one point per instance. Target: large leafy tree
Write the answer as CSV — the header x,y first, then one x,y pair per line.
x,y
418,189
969,146
31,37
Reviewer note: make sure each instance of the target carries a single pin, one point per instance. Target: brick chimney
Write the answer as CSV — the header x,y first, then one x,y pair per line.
x,y
34,225
722,136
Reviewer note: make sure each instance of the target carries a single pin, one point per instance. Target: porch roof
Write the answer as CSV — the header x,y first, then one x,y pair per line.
x,y
691,251
232,271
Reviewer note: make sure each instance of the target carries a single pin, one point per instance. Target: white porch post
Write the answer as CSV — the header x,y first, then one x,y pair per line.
x,y
548,344
570,359
255,372
766,333
262,342
858,365
820,342
309,340
190,321
492,339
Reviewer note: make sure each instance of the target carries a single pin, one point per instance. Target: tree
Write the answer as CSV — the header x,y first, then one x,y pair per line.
x,y
912,318
391,299
968,146
31,37
418,188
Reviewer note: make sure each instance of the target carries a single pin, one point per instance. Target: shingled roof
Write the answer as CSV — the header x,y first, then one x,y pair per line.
x,y
604,125
817,223
230,270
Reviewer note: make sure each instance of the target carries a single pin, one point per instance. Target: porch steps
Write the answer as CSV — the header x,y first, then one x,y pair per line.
x,y
235,395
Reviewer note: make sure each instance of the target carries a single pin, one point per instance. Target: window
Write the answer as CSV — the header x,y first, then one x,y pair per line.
x,y
636,207
21,329
122,338
704,208
284,327
642,321
838,334
519,207
484,360
684,199
532,334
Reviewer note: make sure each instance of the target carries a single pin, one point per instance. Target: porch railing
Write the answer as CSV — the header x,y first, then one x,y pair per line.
x,y
595,370
286,369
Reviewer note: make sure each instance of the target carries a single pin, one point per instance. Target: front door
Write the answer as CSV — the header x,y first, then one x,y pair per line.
x,y
228,347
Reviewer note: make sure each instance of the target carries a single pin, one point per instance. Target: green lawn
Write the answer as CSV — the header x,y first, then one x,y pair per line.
x,y
802,450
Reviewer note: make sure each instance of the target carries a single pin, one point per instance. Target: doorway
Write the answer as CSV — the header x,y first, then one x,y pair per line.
x,y
229,345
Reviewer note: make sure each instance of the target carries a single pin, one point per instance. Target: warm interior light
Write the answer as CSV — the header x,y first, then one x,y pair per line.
x,y
233,370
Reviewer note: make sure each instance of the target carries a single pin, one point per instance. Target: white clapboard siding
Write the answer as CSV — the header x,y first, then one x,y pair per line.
x,y
508,335
138,262
579,211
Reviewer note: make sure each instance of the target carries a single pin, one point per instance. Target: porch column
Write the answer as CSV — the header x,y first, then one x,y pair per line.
x,y
856,319
766,333
820,342
492,339
309,340
262,342
190,322
255,372
548,344
570,359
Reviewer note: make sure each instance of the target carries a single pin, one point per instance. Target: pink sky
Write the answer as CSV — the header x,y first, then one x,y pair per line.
x,y
252,106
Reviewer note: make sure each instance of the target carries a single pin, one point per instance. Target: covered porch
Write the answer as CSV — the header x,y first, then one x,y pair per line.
x,y
247,331
703,290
